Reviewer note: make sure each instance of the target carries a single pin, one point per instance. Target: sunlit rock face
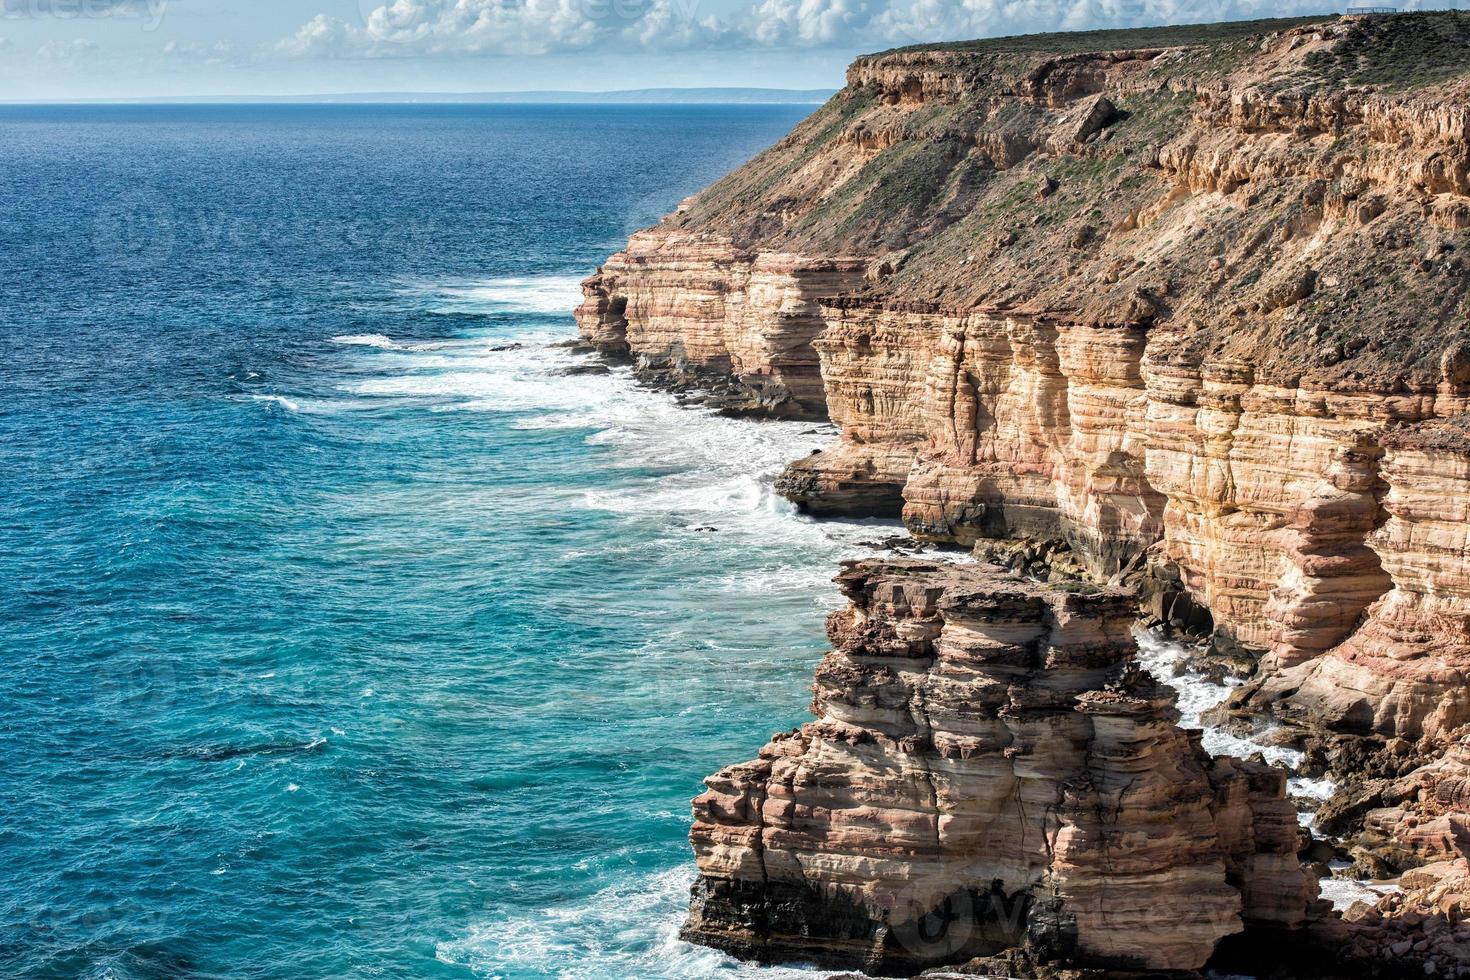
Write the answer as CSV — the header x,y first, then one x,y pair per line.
x,y
1187,305
697,309
987,771
1402,678
1165,294
1404,672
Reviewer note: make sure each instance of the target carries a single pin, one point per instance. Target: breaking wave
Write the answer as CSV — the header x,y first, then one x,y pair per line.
x,y
627,930
535,295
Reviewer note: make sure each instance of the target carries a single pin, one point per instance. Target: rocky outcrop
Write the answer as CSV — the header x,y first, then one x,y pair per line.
x,y
1421,931
1186,309
875,362
988,771
699,311
1406,671
1424,817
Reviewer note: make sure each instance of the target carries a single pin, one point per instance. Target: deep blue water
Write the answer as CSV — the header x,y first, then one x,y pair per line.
x,y
341,636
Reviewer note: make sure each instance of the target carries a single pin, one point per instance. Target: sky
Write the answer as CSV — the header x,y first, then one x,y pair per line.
x,y
80,49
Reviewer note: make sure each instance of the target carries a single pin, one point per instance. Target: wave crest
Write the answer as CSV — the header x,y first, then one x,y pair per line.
x,y
377,340
535,295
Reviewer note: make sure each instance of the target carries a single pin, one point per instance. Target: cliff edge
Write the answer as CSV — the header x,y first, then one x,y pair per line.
x,y
1187,305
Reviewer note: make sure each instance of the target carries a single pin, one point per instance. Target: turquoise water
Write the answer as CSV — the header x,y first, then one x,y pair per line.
x,y
343,636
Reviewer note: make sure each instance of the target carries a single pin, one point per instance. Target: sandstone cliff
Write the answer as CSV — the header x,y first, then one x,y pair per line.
x,y
989,772
1189,304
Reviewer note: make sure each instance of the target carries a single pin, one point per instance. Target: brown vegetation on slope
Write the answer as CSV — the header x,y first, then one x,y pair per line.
x,y
1190,301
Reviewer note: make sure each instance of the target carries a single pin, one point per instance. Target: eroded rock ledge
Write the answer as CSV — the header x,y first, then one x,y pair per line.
x,y
989,772
1186,299
1189,306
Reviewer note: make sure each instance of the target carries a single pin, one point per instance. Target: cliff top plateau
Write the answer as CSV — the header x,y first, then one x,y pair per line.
x,y
1101,178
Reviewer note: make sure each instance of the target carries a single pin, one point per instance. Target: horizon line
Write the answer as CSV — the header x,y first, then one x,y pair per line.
x,y
710,95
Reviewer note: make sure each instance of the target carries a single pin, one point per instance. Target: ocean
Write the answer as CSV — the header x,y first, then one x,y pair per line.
x,y
344,634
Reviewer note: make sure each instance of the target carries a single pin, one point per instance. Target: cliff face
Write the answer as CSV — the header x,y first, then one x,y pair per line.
x,y
698,310
1168,297
987,772
1190,303
988,425
1403,674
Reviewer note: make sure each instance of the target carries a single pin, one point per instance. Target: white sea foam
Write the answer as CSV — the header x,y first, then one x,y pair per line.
x,y
1344,893
514,294
280,400
709,471
312,406
368,340
492,372
1312,789
630,929
697,480
1198,694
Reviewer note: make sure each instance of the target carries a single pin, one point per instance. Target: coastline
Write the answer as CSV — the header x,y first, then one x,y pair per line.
x,y
1180,660
1272,495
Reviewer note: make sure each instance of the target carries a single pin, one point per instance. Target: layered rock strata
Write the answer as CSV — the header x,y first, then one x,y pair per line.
x,y
1400,682
1191,298
1171,291
988,772
698,310
1405,671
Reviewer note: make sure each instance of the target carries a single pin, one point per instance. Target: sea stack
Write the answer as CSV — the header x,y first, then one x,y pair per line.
x,y
988,771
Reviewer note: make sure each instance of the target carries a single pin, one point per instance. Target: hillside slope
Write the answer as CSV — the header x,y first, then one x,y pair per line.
x,y
1187,306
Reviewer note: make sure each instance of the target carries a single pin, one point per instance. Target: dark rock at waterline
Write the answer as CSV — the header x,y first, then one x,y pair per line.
x,y
581,370
897,542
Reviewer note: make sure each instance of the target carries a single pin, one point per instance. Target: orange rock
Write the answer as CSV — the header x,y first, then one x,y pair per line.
x,y
987,772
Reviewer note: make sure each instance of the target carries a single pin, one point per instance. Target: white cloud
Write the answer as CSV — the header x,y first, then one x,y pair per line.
x,y
503,27
216,52
878,23
810,22
422,28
